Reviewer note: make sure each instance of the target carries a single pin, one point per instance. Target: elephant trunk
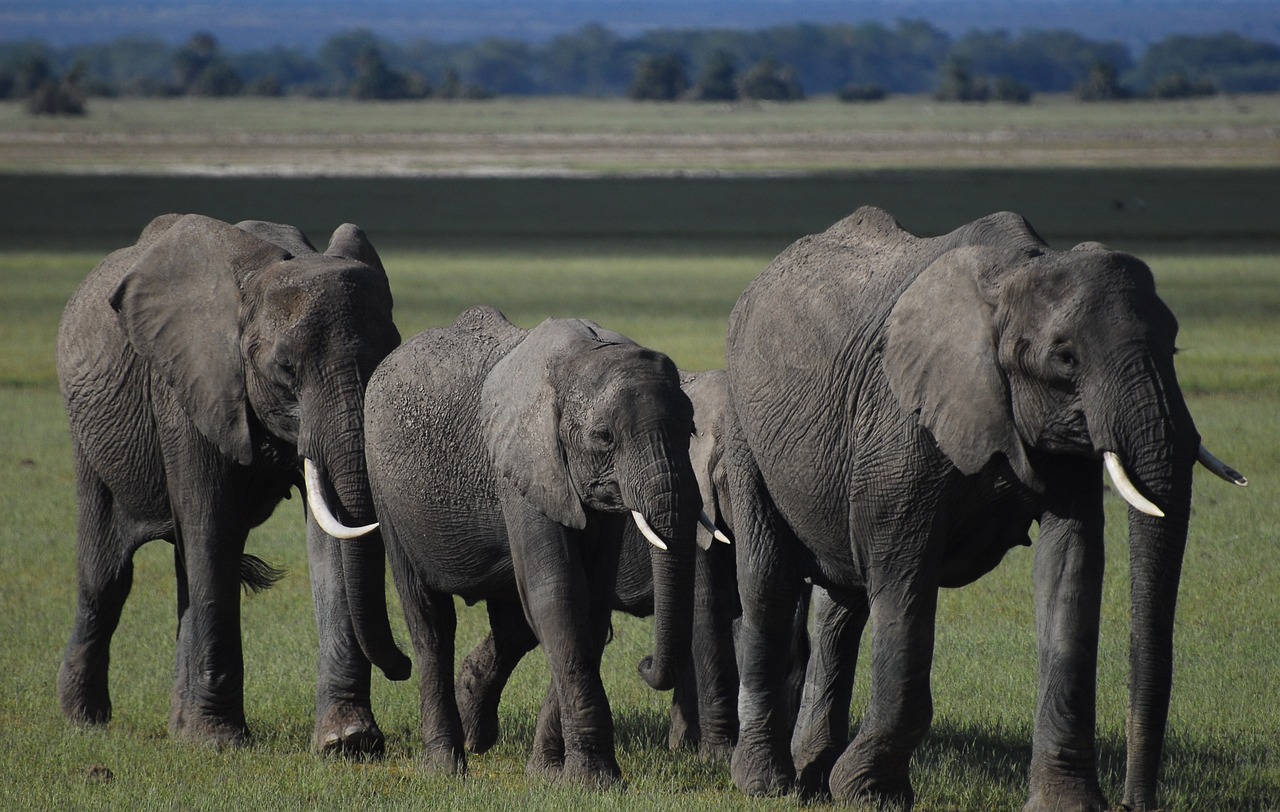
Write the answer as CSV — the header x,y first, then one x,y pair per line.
x,y
665,492
363,557
1158,451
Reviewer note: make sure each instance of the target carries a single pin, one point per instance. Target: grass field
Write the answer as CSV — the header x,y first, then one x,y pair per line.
x,y
592,136
1223,751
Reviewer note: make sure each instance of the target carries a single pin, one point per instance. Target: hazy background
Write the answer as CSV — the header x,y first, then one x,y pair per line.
x,y
242,24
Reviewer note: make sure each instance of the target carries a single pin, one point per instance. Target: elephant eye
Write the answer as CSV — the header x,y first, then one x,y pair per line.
x,y
1065,358
602,437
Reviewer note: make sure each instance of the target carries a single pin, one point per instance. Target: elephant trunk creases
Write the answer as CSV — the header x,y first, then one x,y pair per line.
x,y
665,491
1162,452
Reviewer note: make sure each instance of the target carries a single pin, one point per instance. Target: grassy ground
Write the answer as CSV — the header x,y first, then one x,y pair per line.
x,y
1224,743
575,136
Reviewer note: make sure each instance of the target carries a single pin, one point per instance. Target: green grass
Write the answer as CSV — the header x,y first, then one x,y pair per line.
x,y
1224,743
616,135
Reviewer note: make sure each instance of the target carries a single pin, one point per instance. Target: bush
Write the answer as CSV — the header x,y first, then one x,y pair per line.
x,y
1008,89
56,98
1177,86
659,78
870,92
770,80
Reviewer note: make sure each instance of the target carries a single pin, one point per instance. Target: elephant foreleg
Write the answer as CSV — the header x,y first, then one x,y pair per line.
x,y
822,726
344,721
875,767
566,582
1069,561
487,668
208,691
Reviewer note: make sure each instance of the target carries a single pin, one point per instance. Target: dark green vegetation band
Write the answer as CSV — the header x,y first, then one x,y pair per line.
x,y
1063,204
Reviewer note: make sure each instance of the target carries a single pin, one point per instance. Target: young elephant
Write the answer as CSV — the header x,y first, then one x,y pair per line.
x,y
704,702
504,463
901,410
204,370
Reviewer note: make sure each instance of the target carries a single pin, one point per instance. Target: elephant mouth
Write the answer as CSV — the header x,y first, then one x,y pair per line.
x,y
604,495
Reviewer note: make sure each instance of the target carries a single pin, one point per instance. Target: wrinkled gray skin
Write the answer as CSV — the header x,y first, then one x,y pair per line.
x,y
504,464
198,367
901,410
704,713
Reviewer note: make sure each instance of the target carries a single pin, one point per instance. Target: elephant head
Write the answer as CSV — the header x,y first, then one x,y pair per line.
x,y
1031,354
580,419
263,339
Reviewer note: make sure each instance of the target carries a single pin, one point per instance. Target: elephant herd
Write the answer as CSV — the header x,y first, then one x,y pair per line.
x,y
895,413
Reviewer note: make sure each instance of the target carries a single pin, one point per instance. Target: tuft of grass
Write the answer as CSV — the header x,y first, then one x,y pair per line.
x,y
1223,750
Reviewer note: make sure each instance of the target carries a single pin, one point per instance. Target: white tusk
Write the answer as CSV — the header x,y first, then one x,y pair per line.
x,y
711,527
320,507
648,531
1221,468
1121,480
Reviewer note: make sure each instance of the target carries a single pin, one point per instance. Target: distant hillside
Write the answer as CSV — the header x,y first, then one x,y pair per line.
x,y
239,24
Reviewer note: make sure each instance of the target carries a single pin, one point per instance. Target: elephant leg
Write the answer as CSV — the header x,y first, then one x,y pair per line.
x,y
715,666
1069,560
769,589
875,767
487,668
547,759
104,576
822,726
344,722
566,585
685,730
433,623
208,691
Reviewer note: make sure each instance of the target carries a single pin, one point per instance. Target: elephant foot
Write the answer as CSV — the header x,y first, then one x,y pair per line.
x,y
216,733
758,770
590,771
715,751
480,728
83,695
813,771
1071,796
860,779
544,765
445,760
349,731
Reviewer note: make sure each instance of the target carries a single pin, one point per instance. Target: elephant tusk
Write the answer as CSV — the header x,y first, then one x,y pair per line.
x,y
1121,480
319,507
1220,468
647,531
711,527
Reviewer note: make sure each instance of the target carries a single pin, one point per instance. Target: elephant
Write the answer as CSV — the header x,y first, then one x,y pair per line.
x,y
704,700
206,370
901,409
503,464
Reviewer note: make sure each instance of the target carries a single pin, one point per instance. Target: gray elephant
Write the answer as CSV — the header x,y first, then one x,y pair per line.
x,y
206,370
503,464
704,701
901,410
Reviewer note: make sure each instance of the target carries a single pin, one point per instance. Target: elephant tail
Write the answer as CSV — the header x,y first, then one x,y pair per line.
x,y
257,575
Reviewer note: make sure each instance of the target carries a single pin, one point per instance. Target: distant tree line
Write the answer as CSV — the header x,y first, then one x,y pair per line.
x,y
857,62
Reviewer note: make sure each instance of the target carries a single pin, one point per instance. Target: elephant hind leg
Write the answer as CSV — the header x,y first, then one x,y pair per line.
x,y
104,576
433,622
487,668
822,726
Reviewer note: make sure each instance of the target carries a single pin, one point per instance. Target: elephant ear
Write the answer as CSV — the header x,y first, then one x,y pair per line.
x,y
520,412
940,356
349,242
179,306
